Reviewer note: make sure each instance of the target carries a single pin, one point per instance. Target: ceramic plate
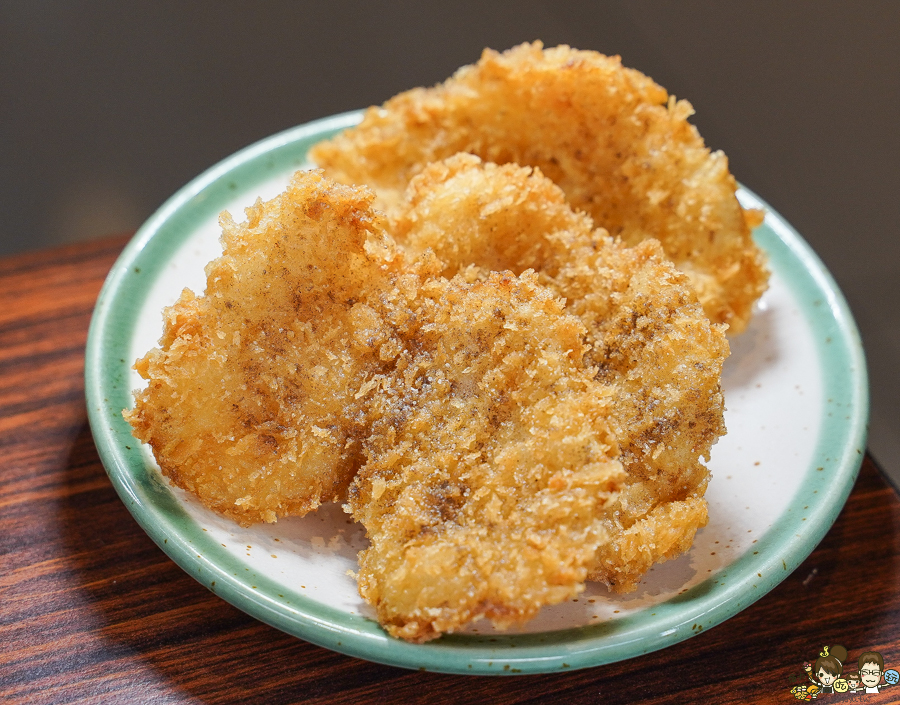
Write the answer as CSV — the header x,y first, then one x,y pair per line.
x,y
795,388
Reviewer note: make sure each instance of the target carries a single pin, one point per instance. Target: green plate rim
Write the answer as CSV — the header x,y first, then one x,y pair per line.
x,y
826,485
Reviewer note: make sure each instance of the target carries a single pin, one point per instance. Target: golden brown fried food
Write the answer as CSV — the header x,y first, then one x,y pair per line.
x,y
505,448
648,337
317,348
617,144
490,466
250,400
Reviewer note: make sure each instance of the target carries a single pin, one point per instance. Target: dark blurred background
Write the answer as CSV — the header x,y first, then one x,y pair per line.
x,y
107,108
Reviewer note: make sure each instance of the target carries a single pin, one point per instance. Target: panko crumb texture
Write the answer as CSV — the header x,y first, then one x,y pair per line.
x,y
508,416
646,333
250,398
490,464
616,143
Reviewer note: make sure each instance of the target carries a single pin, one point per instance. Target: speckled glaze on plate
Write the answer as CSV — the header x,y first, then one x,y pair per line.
x,y
797,400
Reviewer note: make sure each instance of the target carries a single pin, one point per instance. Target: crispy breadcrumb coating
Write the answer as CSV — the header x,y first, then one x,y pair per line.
x,y
648,336
489,462
505,436
250,400
617,144
480,436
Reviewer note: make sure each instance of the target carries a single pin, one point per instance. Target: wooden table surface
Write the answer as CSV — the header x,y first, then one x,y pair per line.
x,y
92,611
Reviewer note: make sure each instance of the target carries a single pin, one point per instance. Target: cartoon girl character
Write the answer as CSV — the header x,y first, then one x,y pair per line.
x,y
828,667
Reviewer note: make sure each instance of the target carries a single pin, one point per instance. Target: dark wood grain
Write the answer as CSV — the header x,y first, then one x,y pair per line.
x,y
92,611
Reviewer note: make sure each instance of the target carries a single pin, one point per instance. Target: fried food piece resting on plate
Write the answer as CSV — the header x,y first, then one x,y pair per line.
x,y
250,396
490,466
485,460
617,144
501,446
648,337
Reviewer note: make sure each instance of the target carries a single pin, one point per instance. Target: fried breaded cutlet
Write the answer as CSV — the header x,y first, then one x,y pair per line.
x,y
490,466
617,144
250,397
480,437
501,444
648,336
494,496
